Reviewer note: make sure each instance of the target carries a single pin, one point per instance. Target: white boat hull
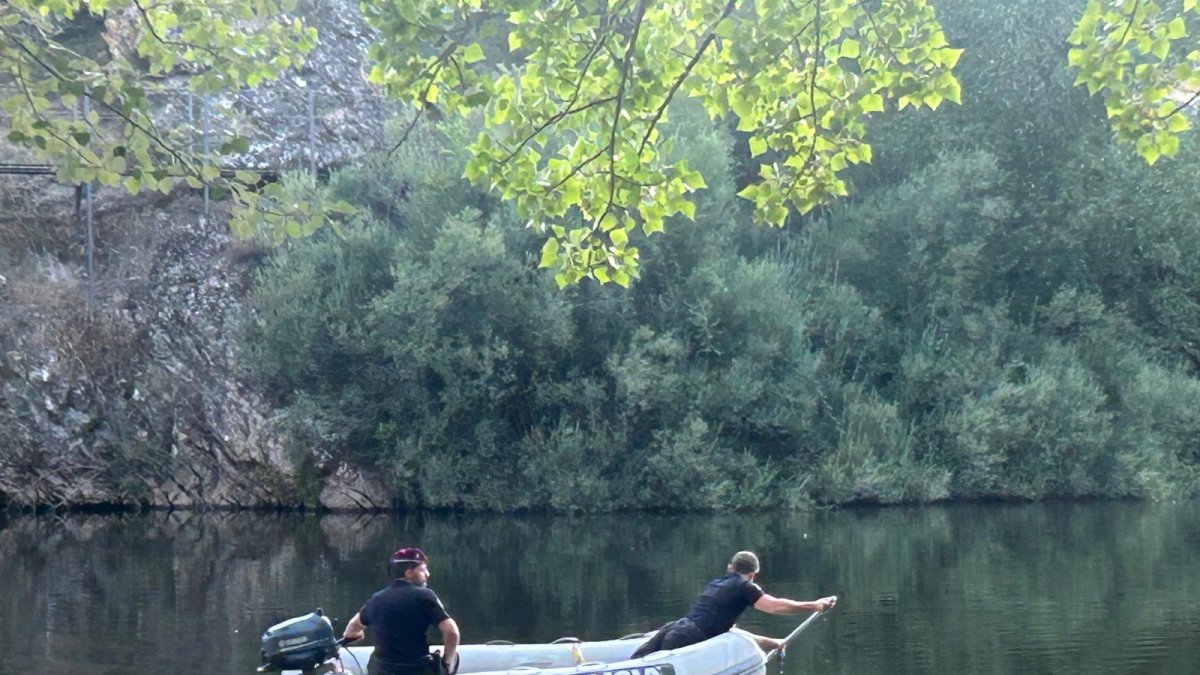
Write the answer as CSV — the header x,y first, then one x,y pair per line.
x,y
732,653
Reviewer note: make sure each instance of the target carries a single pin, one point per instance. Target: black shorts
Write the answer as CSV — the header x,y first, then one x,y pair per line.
x,y
674,635
430,665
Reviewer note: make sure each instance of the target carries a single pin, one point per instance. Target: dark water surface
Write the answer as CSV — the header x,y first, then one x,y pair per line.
x,y
1040,588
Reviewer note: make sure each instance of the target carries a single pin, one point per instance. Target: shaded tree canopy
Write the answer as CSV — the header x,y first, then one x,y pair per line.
x,y
573,93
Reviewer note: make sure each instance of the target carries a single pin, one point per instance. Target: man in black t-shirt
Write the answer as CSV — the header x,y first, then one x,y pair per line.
x,y
400,615
721,603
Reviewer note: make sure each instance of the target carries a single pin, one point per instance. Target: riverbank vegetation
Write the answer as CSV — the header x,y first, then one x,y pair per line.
x,y
1005,305
1006,308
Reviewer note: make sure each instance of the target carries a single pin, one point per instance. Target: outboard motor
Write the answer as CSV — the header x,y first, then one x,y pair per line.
x,y
302,643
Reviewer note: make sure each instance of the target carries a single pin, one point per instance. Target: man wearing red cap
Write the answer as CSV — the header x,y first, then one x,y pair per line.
x,y
721,603
400,615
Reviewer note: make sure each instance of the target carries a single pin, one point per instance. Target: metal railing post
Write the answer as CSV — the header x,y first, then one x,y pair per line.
x,y
312,136
191,122
204,115
91,240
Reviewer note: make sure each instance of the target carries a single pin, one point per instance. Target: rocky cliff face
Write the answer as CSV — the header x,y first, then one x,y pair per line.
x,y
135,401
134,398
323,111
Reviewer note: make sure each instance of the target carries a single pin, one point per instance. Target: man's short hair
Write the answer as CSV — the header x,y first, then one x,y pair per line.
x,y
744,562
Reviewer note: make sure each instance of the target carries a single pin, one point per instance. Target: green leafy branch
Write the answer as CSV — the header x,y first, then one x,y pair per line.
x,y
574,103
216,45
1138,55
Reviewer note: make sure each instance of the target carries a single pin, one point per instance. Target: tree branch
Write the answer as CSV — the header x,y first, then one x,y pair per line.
x,y
878,39
437,62
145,12
551,121
407,130
687,70
1129,24
556,117
575,170
1181,106
24,85
812,89
115,110
626,73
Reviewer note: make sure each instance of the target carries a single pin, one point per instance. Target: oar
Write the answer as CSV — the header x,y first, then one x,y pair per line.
x,y
799,629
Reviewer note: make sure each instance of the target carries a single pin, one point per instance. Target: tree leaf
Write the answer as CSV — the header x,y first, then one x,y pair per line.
x,y
549,253
473,54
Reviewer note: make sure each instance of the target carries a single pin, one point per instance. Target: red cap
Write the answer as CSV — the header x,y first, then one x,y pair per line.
x,y
409,555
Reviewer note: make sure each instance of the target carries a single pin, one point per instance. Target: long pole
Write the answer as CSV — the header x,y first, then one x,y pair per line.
x,y
792,635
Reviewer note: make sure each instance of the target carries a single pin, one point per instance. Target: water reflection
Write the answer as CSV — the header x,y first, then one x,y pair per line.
x,y
1102,587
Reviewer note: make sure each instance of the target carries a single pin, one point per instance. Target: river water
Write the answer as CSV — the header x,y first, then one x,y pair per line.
x,y
1097,587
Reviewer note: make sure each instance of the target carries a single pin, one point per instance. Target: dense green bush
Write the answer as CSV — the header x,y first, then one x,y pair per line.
x,y
1040,432
1007,308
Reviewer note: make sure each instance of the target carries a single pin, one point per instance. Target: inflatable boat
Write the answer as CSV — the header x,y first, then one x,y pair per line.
x,y
307,646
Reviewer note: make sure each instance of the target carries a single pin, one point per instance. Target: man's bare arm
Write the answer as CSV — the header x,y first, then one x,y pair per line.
x,y
354,629
450,638
773,605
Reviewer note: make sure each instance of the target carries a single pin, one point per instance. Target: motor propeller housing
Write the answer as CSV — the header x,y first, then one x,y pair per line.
x,y
302,643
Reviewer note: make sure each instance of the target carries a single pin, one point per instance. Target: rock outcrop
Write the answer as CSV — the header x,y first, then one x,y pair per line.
x,y
136,401
126,391
323,112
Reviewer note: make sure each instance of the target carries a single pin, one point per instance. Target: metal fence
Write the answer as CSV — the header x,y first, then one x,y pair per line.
x,y
195,123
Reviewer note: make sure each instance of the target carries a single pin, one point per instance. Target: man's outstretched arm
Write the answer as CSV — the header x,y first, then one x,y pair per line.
x,y
773,605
